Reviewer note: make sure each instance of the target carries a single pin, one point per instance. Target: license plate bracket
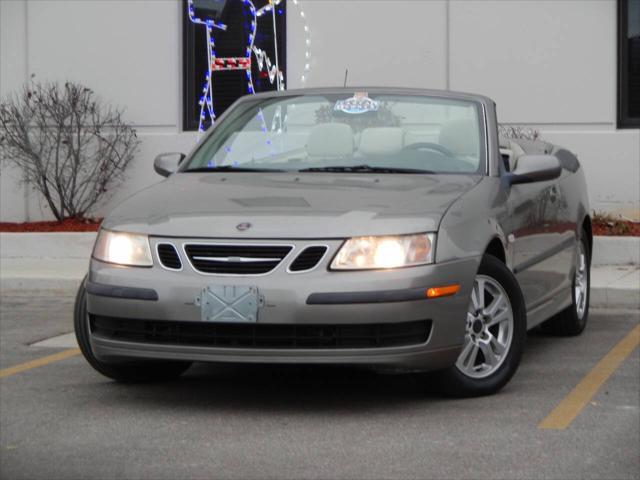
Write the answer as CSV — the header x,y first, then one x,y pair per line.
x,y
229,303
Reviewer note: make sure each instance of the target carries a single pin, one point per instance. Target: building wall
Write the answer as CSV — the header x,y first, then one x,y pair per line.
x,y
548,65
128,51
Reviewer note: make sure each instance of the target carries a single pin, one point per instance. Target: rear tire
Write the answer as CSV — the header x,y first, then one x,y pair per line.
x,y
495,337
126,371
573,319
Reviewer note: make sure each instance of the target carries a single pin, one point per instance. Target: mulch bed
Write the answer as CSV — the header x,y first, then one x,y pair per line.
x,y
622,228
67,225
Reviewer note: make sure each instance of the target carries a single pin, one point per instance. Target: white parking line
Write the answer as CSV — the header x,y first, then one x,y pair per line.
x,y
67,340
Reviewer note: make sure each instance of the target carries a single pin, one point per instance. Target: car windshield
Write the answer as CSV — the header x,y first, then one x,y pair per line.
x,y
356,132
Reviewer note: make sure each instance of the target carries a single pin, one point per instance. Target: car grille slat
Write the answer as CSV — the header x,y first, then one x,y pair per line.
x,y
168,256
308,258
236,259
256,335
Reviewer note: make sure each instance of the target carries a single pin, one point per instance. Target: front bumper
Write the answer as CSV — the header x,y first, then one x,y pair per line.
x,y
379,297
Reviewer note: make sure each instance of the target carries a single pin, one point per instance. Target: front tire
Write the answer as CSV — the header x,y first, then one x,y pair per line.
x,y
126,371
495,334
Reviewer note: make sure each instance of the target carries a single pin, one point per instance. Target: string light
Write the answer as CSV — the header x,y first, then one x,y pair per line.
x,y
216,63
264,63
307,31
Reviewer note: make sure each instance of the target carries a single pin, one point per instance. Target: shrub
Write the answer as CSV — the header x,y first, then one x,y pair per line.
x,y
70,146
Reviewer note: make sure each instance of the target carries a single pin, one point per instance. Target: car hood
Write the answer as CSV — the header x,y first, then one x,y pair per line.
x,y
282,205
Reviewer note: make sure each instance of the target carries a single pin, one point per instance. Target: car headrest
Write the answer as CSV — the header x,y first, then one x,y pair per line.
x,y
330,140
380,140
513,150
412,136
461,136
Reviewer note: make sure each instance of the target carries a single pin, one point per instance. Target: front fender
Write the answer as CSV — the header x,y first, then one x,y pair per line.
x,y
473,221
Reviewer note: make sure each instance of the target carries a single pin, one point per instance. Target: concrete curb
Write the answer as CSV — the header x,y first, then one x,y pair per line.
x,y
606,250
611,286
66,285
42,273
615,285
616,251
47,245
59,261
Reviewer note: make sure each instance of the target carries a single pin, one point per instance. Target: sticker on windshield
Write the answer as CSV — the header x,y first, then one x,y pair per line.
x,y
359,103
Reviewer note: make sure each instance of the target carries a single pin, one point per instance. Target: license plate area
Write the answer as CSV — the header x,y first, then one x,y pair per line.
x,y
229,303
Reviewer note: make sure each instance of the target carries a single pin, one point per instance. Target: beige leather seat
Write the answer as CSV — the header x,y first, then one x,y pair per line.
x,y
512,150
461,136
412,135
330,140
381,141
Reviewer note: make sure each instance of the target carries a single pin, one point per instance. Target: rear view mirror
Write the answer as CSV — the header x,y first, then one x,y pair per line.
x,y
535,168
167,163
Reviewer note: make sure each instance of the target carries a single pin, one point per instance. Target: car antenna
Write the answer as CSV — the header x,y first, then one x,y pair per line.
x,y
346,74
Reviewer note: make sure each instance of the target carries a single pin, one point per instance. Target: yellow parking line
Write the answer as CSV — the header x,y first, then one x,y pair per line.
x,y
39,362
569,408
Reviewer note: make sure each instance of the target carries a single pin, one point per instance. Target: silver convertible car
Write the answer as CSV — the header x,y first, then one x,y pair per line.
x,y
371,226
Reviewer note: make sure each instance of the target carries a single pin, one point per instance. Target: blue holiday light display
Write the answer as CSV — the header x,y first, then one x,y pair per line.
x,y
264,63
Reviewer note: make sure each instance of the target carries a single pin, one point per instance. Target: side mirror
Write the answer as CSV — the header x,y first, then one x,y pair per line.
x,y
167,163
535,168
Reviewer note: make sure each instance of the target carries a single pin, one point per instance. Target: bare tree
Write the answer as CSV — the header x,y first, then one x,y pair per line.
x,y
70,146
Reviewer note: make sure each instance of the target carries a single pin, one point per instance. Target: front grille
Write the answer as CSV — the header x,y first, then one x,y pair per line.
x,y
308,258
236,259
169,256
255,335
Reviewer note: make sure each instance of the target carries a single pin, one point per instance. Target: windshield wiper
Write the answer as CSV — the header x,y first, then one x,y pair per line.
x,y
364,169
231,168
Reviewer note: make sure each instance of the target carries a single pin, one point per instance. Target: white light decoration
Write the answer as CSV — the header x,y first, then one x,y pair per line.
x,y
263,61
307,36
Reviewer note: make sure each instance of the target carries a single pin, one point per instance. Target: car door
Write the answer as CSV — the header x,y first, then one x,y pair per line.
x,y
541,253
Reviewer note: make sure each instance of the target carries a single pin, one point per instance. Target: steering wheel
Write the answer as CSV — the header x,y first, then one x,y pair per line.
x,y
431,146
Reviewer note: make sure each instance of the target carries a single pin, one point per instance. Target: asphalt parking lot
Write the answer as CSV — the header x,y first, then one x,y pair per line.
x,y
63,420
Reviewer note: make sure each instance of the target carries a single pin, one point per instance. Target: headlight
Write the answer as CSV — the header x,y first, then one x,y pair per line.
x,y
123,248
361,253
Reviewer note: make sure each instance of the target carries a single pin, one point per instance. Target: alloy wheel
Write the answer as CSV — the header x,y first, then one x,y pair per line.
x,y
489,329
580,282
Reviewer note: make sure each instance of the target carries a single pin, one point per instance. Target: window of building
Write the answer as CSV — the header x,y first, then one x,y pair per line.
x,y
628,63
230,43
